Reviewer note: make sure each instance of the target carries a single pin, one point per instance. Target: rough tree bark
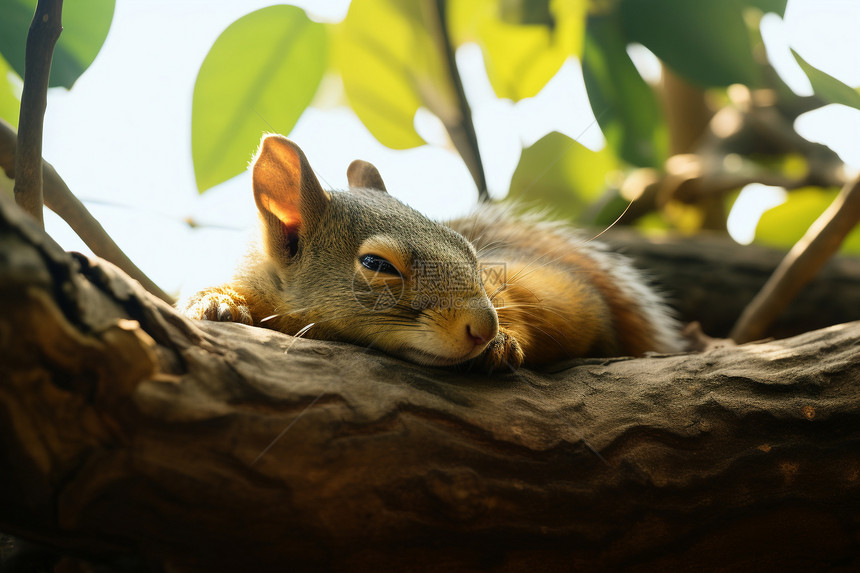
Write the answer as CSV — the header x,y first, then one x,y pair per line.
x,y
126,429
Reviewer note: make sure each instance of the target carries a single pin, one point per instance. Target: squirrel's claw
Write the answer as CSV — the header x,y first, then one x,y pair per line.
x,y
220,307
503,353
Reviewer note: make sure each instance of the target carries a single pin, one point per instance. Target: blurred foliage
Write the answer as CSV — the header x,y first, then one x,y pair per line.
x,y
829,88
785,224
394,57
706,41
388,76
85,27
625,106
10,94
561,174
524,43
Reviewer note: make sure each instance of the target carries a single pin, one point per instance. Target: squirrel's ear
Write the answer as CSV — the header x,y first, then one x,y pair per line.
x,y
286,190
363,174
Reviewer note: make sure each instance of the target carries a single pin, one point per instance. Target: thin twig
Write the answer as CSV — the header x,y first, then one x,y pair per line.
x,y
44,31
63,202
462,132
801,264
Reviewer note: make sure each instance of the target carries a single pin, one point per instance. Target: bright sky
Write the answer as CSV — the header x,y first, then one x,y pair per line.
x,y
121,137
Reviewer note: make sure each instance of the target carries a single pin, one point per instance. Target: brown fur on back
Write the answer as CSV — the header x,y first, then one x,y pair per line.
x,y
564,296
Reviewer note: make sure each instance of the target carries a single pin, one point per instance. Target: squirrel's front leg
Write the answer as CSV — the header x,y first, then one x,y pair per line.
x,y
219,304
503,353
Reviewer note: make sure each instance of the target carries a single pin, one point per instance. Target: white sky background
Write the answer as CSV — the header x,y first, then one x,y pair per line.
x,y
121,138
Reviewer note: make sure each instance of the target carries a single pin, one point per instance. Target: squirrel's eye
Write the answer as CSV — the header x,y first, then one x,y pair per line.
x,y
378,264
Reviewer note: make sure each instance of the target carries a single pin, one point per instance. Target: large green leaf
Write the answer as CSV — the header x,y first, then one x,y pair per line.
x,y
260,75
827,87
391,66
785,224
775,6
520,55
705,41
85,27
10,97
527,12
562,174
625,106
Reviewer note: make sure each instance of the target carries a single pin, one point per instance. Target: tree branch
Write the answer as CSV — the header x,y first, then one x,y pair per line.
x,y
60,199
823,238
127,429
44,31
711,279
687,112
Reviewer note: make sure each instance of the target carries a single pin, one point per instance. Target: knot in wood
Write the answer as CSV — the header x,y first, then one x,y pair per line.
x,y
461,494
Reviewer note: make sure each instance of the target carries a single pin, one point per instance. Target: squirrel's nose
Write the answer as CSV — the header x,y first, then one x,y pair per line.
x,y
479,334
481,324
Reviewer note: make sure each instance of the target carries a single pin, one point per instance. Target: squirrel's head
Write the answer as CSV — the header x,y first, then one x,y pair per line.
x,y
365,268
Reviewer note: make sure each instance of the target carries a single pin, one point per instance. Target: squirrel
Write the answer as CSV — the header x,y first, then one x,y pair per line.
x,y
491,290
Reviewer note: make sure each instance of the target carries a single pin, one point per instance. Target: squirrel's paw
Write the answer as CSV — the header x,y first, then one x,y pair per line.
x,y
219,306
503,353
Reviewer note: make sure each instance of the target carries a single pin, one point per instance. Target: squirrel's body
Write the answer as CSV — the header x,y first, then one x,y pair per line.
x,y
564,296
490,289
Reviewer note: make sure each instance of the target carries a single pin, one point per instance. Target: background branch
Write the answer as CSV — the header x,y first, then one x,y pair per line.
x,y
44,31
823,238
60,199
710,279
687,112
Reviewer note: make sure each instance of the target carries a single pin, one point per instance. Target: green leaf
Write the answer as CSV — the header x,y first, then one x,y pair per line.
x,y
388,75
520,57
785,224
527,12
10,95
560,173
625,106
85,27
827,87
705,41
260,75
775,6
14,25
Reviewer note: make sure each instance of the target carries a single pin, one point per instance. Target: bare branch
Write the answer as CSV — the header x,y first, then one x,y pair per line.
x,y
45,29
59,198
801,264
